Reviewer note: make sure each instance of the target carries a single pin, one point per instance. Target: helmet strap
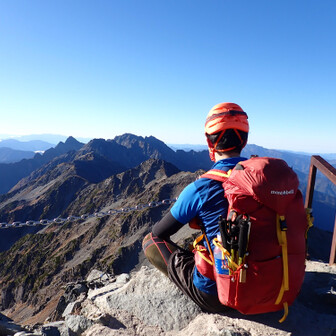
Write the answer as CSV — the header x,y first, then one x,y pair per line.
x,y
213,149
238,135
219,139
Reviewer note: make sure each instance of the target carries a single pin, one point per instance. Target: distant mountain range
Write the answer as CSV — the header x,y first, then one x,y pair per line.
x,y
53,139
12,150
99,159
32,145
9,155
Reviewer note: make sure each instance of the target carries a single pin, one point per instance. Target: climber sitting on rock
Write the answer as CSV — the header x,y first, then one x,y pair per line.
x,y
226,131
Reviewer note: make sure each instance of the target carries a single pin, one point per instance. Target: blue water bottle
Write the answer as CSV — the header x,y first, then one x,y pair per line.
x,y
221,260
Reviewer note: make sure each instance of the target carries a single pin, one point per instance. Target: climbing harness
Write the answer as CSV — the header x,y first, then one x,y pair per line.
x,y
100,214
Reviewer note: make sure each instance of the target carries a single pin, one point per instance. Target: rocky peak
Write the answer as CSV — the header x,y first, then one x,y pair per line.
x,y
95,168
150,146
108,149
127,140
71,141
70,144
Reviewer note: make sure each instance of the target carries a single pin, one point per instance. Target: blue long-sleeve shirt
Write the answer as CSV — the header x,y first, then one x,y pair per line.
x,y
204,199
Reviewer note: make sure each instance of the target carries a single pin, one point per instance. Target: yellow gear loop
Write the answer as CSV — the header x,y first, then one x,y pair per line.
x,y
285,312
201,248
232,265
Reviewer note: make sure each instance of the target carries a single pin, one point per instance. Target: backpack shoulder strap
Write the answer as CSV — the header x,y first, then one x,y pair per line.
x,y
218,175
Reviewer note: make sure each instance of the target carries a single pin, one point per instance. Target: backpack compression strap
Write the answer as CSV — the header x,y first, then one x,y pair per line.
x,y
218,175
282,238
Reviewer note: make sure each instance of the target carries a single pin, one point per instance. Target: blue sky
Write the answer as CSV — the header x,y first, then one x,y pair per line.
x,y
156,67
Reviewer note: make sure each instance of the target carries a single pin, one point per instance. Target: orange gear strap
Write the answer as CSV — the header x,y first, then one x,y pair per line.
x,y
218,175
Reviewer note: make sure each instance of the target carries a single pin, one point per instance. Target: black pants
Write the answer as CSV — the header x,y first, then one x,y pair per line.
x,y
179,266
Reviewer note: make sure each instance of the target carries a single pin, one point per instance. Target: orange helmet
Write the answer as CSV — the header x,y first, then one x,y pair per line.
x,y
223,117
226,116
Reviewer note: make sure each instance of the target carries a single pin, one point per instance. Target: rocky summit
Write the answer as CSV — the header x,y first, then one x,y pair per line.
x,y
146,303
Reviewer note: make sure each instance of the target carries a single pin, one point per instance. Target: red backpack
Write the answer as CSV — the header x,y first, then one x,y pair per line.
x,y
264,237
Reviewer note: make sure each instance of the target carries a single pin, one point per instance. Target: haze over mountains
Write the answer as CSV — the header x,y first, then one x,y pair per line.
x,y
32,145
52,139
12,150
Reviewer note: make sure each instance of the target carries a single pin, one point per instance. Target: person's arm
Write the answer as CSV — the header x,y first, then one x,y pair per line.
x,y
167,226
186,207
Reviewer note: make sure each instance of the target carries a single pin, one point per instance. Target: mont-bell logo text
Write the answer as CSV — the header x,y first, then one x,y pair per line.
x,y
282,192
